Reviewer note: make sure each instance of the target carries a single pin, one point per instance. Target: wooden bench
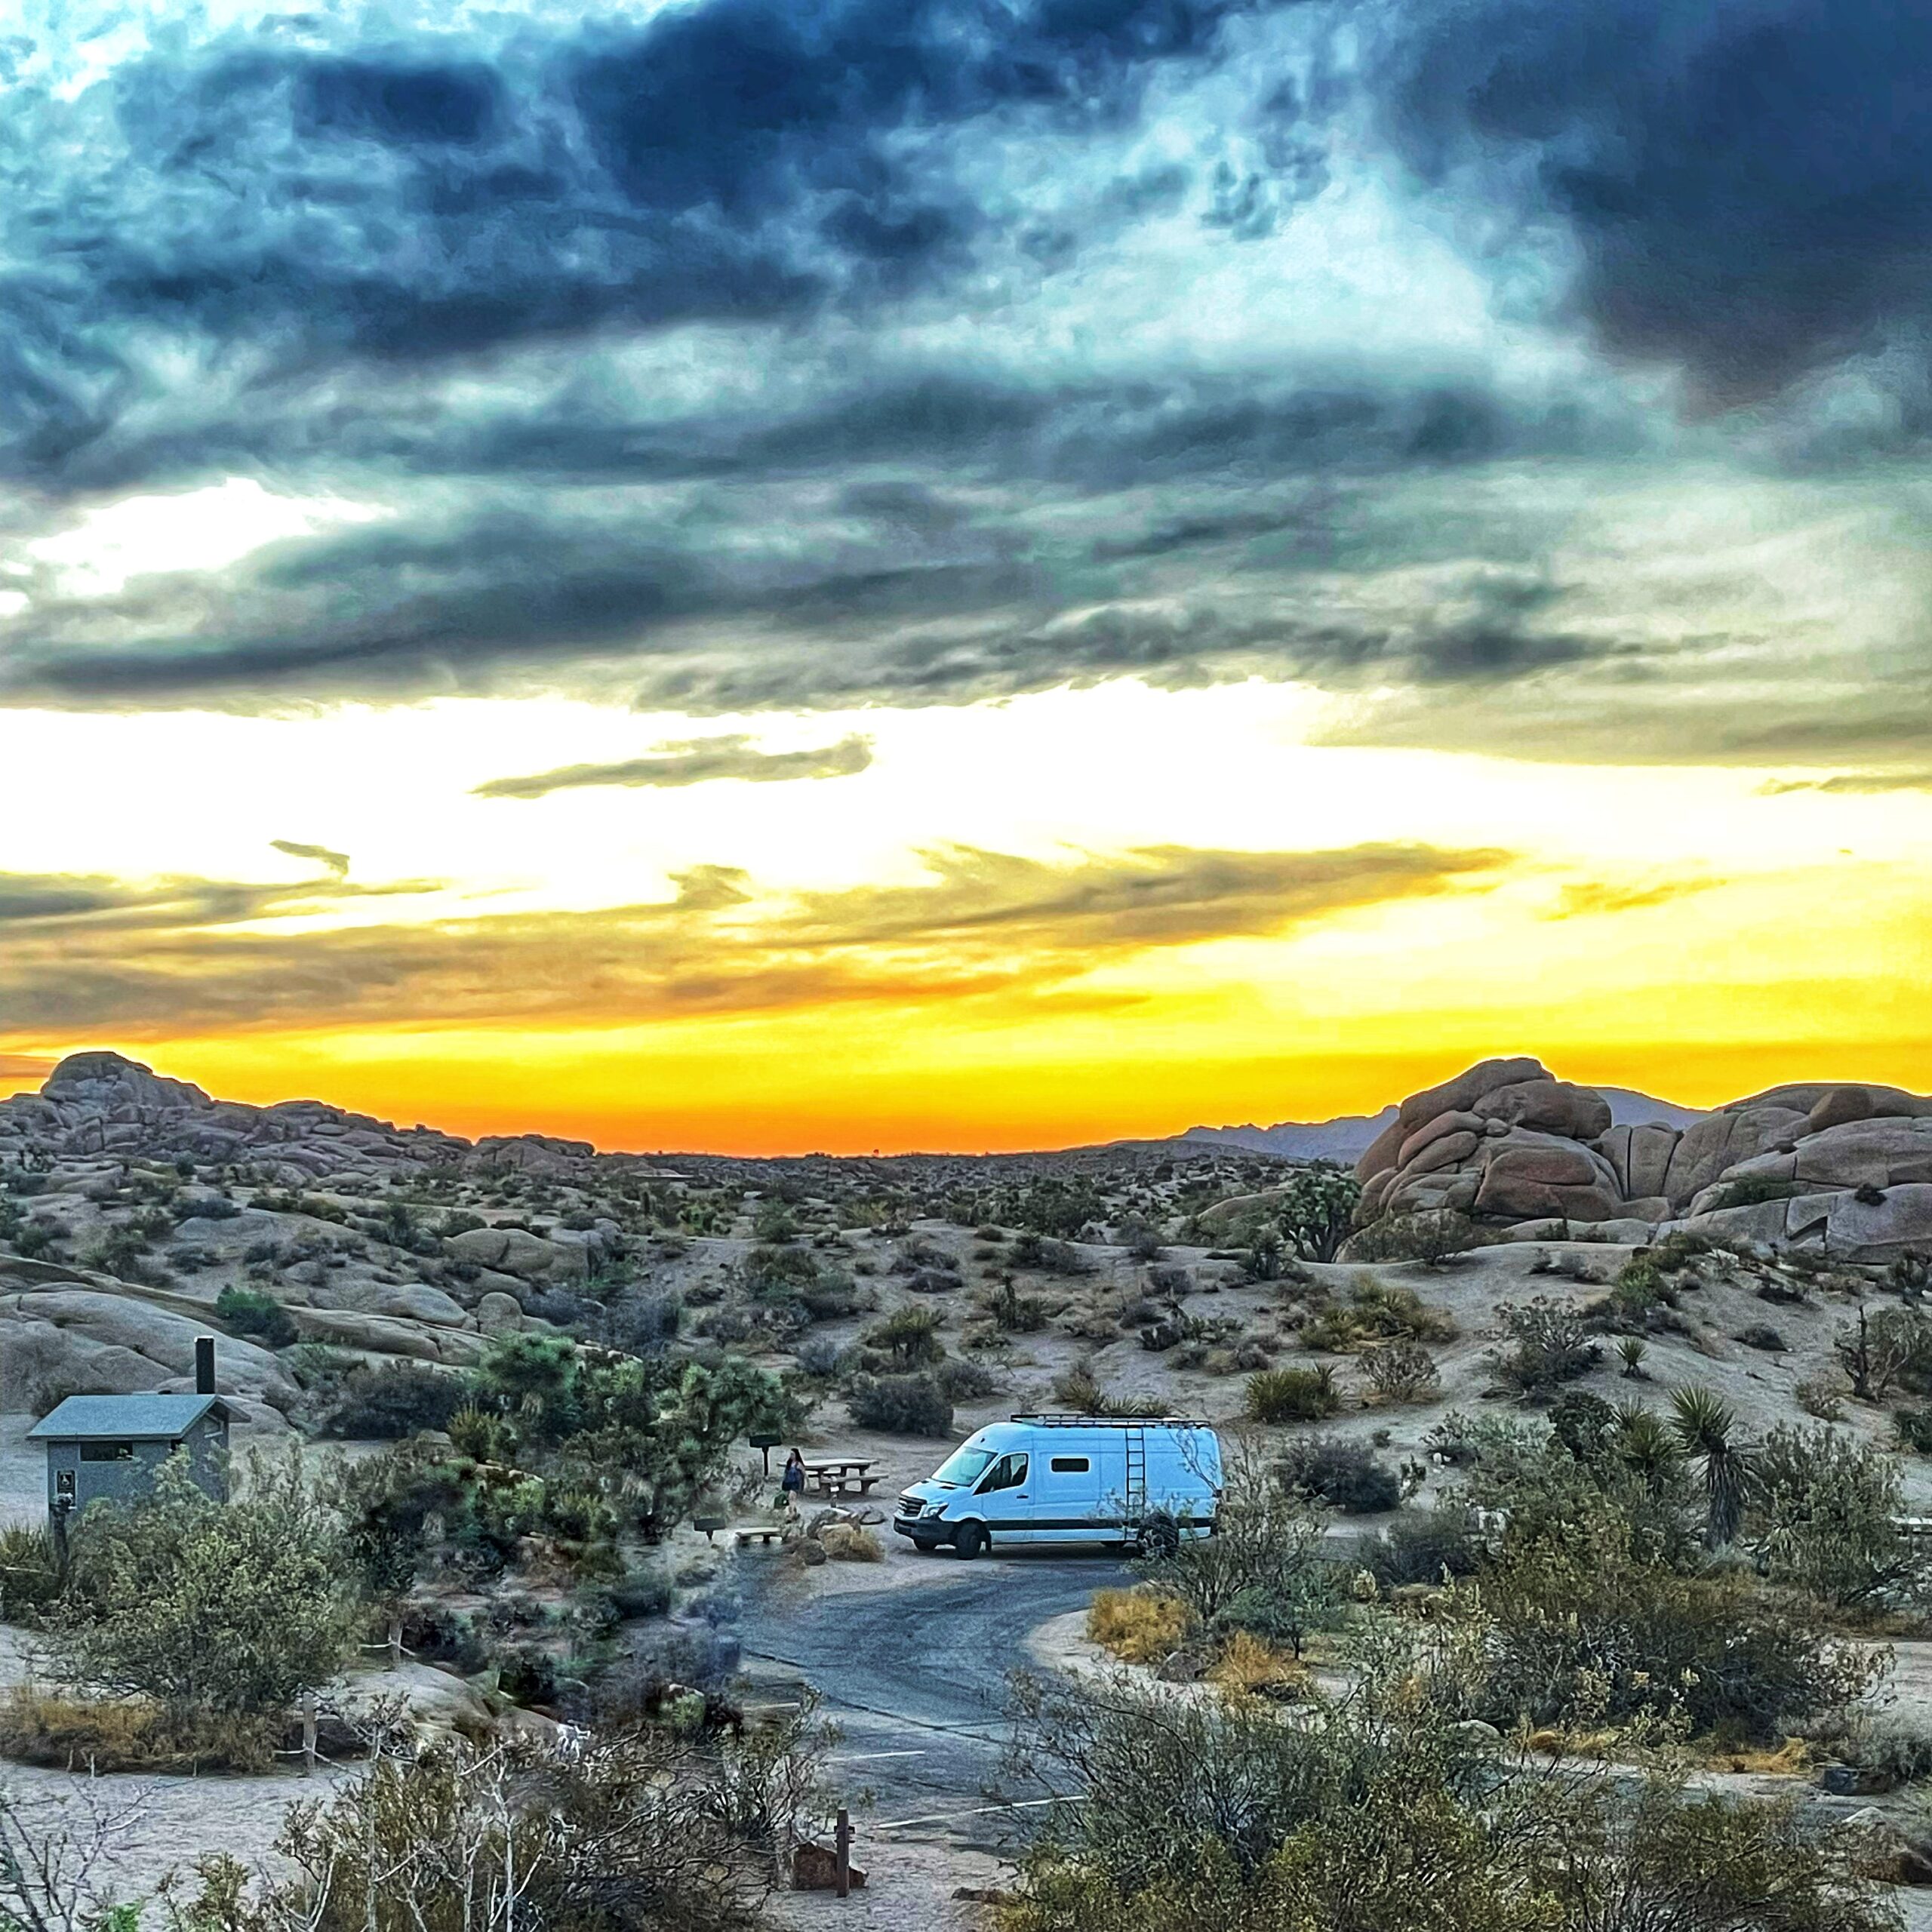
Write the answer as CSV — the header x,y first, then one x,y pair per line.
x,y
766,1533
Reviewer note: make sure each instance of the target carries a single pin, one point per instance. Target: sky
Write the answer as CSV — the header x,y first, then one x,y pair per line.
x,y
776,575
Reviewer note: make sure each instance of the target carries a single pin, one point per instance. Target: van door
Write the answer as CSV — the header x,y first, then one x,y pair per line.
x,y
1005,1498
1066,1493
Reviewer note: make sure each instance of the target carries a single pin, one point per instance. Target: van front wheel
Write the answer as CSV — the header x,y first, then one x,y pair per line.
x,y
970,1540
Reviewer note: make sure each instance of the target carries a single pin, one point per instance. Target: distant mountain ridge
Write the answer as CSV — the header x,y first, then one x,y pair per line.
x,y
1347,1137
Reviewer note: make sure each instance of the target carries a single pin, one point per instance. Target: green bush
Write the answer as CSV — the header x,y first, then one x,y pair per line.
x,y
899,1405
1751,1191
203,1606
397,1399
246,1311
1580,1632
1430,1235
1547,1345
1375,1311
1424,1545
1291,1395
1823,1518
30,1575
1345,1475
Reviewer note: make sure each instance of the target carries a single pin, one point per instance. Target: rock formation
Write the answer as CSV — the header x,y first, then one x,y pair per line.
x,y
1843,1168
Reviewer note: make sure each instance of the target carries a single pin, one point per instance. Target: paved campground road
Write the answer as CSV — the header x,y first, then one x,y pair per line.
x,y
916,1678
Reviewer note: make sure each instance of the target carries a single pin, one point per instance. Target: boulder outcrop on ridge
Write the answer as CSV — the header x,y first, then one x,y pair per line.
x,y
1843,1167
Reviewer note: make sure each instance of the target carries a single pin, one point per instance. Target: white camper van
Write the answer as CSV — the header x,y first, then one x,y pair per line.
x,y
1136,1482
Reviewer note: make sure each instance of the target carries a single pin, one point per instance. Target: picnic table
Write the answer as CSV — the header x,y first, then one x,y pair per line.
x,y
840,1475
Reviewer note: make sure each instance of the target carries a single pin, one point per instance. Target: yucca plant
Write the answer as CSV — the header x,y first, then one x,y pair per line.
x,y
1704,1424
1631,1352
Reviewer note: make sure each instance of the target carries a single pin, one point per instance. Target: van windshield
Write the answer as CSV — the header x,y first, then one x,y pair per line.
x,y
963,1466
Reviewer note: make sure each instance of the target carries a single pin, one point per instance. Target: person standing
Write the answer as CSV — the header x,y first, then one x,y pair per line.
x,y
792,1484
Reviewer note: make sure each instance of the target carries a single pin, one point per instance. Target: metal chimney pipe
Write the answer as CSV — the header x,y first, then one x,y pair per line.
x,y
205,1364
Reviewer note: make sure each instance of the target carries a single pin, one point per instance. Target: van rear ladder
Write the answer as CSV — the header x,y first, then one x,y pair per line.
x,y
1136,1475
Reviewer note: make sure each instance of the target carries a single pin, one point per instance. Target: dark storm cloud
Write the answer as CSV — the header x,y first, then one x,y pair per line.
x,y
658,342
740,160
698,762
1749,185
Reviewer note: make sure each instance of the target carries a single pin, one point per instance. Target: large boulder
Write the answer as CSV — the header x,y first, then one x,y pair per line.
x,y
1885,1151
1857,1230
1550,1106
1718,1142
1454,1122
1460,1094
1803,1096
110,1082
518,1252
160,1337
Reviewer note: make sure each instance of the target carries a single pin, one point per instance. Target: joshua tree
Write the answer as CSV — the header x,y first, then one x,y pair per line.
x,y
1705,1424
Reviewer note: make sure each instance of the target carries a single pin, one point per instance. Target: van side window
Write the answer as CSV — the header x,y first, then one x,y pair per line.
x,y
1070,1466
1009,1472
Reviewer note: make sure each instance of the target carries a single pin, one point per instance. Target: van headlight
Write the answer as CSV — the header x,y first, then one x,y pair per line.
x,y
934,1510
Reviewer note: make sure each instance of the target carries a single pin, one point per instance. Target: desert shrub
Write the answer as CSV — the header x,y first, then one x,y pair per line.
x,y
29,1573
1892,1349
1820,1397
1036,1251
1582,1633
1262,1571
1426,1545
1401,1372
1751,1191
899,1405
1375,1312
1140,1626
681,1822
207,1208
1380,1814
850,1542
1253,1667
1547,1345
1894,1746
640,1594
1076,1390
1430,1235
99,1737
248,1312
1345,1475
1823,1518
397,1399
821,1359
202,1606
1013,1313
966,1381
908,1338
1292,1395
831,1294
1914,1426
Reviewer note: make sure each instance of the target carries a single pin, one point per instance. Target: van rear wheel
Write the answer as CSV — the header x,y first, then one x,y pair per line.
x,y
970,1540
1159,1537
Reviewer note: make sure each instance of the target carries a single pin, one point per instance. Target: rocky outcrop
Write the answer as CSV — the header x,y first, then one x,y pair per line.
x,y
1842,1167
99,1103
1504,1141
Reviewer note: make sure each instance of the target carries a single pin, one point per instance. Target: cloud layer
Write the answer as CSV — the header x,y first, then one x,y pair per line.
x,y
83,955
696,761
743,356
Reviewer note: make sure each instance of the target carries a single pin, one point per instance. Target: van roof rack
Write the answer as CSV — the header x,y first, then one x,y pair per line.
x,y
1113,1422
